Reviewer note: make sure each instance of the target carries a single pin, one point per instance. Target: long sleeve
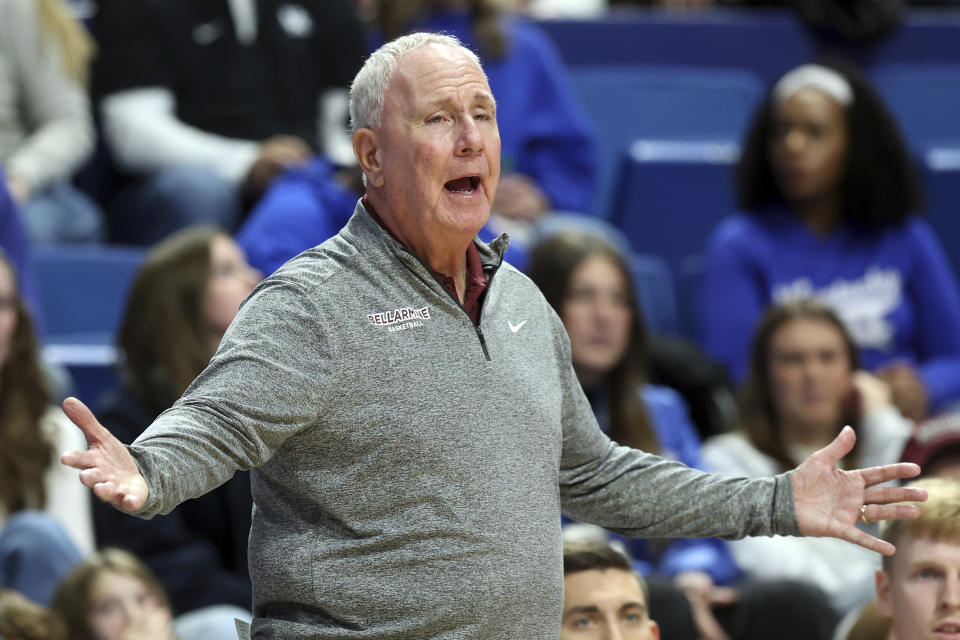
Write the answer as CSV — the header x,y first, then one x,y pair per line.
x,y
197,551
52,132
302,208
68,501
678,439
145,135
558,148
933,288
732,298
257,392
642,495
14,242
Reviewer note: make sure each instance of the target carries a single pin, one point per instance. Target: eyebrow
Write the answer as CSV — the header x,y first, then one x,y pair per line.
x,y
592,608
484,98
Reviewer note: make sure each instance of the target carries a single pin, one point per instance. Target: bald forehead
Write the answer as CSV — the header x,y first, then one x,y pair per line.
x,y
437,67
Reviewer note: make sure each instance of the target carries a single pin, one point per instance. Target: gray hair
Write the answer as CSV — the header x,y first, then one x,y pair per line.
x,y
370,84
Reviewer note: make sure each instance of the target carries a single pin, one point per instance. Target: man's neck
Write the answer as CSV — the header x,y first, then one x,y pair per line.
x,y
444,255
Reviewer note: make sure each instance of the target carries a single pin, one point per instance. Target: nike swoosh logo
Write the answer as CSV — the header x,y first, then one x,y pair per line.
x,y
514,328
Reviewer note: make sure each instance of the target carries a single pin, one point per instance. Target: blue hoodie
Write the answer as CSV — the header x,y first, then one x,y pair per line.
x,y
893,288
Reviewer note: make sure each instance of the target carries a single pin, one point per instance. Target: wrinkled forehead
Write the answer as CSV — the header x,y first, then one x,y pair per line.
x,y
434,68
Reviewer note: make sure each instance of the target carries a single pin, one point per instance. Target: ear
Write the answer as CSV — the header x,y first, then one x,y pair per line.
x,y
654,630
366,147
884,595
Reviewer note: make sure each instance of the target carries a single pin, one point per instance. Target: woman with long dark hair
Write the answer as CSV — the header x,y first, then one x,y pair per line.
x,y
803,386
45,518
589,284
830,195
181,302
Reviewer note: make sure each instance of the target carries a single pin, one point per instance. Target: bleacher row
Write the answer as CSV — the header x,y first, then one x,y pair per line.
x,y
671,97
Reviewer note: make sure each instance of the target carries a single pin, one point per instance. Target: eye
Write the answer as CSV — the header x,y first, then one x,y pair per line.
x,y
581,295
108,607
225,269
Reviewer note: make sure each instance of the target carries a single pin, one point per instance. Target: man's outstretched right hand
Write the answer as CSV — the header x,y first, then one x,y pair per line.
x,y
106,466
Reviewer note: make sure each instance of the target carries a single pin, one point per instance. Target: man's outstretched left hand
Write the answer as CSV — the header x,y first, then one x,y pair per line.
x,y
828,499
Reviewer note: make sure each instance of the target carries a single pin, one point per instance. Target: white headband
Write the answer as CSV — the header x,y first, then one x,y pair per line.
x,y
817,77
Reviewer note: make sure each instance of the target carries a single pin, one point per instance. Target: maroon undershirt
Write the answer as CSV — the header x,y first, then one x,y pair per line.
x,y
476,278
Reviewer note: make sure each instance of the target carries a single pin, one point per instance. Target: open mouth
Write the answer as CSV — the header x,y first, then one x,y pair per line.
x,y
466,184
948,628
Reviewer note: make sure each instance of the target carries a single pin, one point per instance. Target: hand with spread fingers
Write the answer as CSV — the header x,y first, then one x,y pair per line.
x,y
830,501
106,466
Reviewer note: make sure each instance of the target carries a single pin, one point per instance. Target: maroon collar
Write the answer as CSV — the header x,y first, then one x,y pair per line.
x,y
476,278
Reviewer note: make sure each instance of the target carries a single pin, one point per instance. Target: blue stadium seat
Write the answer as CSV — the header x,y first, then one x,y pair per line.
x,y
671,194
83,292
637,101
655,293
941,176
925,98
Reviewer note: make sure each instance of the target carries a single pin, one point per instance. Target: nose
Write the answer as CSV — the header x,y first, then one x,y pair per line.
x,y
130,610
612,631
254,276
606,310
470,140
794,141
950,599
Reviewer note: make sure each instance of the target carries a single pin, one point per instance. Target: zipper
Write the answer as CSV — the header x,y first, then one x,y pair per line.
x,y
476,327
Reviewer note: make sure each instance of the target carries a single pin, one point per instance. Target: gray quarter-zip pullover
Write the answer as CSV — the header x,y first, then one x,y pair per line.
x,y
409,468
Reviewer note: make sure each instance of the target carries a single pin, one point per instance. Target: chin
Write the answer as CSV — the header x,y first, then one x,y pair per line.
x,y
469,221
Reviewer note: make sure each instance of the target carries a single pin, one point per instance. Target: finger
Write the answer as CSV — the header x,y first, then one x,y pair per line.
x,y
887,495
117,496
723,596
876,475
106,491
80,459
132,502
839,448
865,540
877,513
81,416
92,476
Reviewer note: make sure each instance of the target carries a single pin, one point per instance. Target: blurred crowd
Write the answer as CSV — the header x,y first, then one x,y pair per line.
x,y
214,135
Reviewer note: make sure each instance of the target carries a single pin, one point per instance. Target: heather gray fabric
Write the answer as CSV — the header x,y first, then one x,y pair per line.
x,y
405,485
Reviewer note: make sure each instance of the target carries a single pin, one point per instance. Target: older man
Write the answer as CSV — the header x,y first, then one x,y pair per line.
x,y
409,406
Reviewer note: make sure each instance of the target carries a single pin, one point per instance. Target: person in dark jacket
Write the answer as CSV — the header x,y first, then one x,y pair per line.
x,y
181,302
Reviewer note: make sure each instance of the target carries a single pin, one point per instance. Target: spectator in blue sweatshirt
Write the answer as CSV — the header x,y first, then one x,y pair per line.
x,y
306,206
829,194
